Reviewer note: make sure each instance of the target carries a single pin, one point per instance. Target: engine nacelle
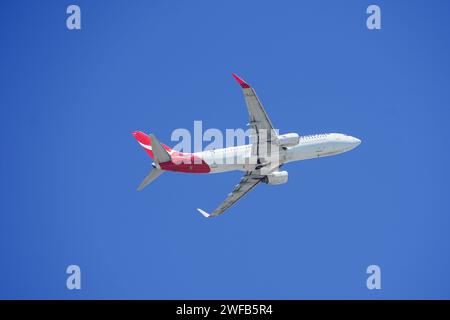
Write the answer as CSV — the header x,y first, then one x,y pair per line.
x,y
288,140
277,177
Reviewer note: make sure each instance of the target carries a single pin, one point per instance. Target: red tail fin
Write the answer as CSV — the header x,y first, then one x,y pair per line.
x,y
146,143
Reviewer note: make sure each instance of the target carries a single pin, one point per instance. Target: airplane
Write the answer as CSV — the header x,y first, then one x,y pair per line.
x,y
268,150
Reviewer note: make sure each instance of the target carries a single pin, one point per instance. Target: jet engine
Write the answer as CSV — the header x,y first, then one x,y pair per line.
x,y
277,177
288,139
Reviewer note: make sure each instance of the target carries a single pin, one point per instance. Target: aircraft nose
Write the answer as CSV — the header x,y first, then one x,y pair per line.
x,y
354,142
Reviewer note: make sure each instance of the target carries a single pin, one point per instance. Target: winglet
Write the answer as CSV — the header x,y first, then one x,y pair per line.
x,y
243,84
204,213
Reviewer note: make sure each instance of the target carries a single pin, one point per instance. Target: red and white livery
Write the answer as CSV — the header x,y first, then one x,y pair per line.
x,y
261,160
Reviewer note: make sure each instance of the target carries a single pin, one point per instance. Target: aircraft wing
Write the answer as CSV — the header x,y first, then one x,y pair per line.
x,y
264,135
247,183
258,119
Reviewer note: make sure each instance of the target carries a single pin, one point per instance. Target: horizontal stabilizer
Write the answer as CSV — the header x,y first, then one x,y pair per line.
x,y
155,173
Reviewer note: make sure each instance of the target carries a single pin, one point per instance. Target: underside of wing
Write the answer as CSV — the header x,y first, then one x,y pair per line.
x,y
245,185
264,136
258,118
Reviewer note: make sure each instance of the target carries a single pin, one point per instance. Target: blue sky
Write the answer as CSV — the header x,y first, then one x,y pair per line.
x,y
70,166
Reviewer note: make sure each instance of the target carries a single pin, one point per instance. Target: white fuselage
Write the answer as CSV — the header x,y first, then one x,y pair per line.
x,y
309,147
